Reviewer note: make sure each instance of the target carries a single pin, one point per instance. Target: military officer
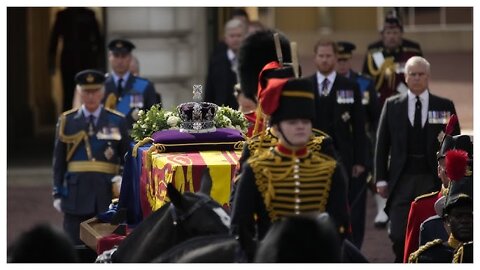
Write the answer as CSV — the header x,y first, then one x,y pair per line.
x,y
339,113
90,144
288,179
126,92
372,111
385,59
423,206
457,213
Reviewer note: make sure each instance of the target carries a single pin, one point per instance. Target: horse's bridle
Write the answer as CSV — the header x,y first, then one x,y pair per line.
x,y
179,216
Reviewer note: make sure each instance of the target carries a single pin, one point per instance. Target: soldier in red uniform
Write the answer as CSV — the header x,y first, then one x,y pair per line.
x,y
385,59
457,215
423,206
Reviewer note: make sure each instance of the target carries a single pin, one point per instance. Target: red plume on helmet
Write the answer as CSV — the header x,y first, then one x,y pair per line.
x,y
269,95
456,164
452,122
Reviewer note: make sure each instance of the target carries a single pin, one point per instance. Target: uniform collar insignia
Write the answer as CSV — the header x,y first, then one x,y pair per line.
x,y
290,152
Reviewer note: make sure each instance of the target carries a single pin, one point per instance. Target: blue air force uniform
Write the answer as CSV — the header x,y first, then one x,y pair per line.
x,y
128,94
89,150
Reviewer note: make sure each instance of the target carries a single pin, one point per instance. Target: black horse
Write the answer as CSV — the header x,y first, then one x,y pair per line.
x,y
221,248
301,239
306,238
185,216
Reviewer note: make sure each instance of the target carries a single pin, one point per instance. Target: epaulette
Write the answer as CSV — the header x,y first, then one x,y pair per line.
x,y
70,111
426,195
413,258
114,112
318,132
263,140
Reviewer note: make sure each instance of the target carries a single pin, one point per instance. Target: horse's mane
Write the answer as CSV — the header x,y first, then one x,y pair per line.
x,y
185,248
144,230
222,251
157,233
300,239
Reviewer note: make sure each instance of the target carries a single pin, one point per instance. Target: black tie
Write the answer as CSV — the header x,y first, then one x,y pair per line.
x,y
325,84
417,122
119,86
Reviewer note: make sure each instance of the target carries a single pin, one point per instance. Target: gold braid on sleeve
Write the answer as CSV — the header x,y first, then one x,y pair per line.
x,y
413,258
387,70
458,256
74,139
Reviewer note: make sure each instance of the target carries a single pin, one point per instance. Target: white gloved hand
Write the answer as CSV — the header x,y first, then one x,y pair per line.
x,y
57,204
116,185
116,178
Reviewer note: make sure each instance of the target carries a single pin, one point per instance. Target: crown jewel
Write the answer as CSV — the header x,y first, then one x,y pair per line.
x,y
196,116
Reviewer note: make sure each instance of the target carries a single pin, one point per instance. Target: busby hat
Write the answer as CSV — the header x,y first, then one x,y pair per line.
x,y
463,142
448,142
257,50
345,49
284,99
458,167
90,79
121,46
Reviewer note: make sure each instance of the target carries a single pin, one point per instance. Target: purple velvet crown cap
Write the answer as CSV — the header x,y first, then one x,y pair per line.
x,y
177,137
222,139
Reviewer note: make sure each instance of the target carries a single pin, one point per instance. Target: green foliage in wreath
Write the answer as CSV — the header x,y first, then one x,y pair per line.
x,y
156,119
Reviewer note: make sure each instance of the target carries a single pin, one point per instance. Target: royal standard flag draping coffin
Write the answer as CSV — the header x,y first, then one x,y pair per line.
x,y
219,151
207,136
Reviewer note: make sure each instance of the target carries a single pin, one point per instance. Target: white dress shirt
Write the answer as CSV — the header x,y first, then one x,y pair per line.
x,y
331,78
87,114
124,77
412,99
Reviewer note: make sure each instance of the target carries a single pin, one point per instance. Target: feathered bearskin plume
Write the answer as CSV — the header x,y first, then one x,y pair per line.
x,y
456,164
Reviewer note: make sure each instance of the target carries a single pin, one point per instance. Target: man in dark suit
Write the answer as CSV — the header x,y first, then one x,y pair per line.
x,y
124,91
409,134
222,69
340,114
372,112
90,144
82,47
385,59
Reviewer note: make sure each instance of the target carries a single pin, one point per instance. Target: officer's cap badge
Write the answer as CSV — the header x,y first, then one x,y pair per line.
x,y
89,78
